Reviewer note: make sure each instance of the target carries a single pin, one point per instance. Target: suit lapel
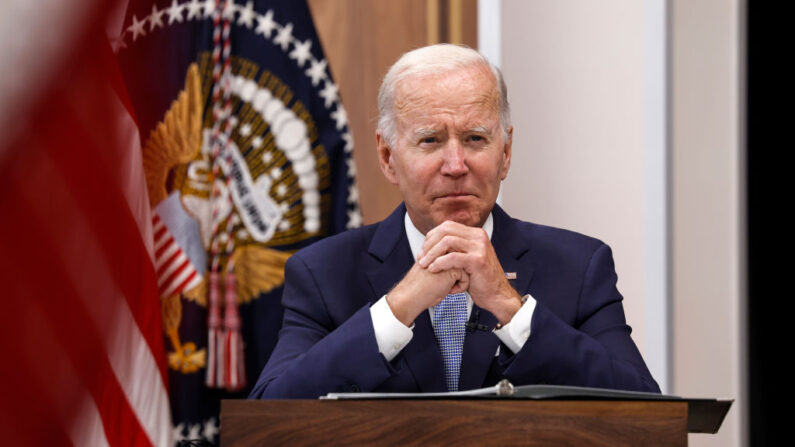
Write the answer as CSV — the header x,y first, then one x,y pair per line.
x,y
480,346
513,249
390,260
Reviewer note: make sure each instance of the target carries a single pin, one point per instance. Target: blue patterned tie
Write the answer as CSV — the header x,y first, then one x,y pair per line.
x,y
449,325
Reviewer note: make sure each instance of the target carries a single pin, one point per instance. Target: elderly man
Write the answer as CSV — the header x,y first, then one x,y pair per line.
x,y
449,292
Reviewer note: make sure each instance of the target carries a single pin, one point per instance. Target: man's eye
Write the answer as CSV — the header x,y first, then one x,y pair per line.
x,y
428,140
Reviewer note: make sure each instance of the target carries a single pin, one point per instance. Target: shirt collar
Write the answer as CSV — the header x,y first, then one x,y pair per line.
x,y
416,239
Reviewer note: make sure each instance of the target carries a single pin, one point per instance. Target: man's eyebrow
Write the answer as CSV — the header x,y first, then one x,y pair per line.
x,y
424,132
481,129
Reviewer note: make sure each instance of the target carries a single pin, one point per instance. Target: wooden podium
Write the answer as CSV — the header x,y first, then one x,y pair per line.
x,y
499,422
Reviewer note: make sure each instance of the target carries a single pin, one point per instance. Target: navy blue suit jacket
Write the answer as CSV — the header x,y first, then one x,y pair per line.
x,y
327,344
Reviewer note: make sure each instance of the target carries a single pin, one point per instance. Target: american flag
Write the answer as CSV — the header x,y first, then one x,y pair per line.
x,y
83,357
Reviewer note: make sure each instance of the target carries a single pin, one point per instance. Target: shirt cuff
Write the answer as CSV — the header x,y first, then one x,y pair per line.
x,y
517,331
390,334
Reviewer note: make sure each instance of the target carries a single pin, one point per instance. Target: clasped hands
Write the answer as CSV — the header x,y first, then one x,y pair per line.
x,y
454,258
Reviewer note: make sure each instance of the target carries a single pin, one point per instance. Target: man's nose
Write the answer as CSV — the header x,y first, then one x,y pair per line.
x,y
454,163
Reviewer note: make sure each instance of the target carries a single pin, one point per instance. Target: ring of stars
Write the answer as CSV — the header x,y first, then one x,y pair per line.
x,y
265,26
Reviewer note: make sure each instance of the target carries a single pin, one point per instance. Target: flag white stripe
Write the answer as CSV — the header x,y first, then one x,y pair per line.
x,y
26,29
87,428
132,179
163,258
164,239
170,288
136,369
193,282
171,268
157,224
131,358
74,402
84,260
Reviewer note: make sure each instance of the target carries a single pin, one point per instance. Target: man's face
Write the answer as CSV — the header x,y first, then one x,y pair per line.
x,y
450,154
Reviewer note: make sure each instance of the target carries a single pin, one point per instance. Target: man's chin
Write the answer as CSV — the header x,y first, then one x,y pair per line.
x,y
469,218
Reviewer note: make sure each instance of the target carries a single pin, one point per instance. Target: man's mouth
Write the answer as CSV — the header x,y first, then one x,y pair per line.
x,y
454,195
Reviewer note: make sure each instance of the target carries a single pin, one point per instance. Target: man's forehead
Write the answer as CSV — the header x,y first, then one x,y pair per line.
x,y
476,83
469,97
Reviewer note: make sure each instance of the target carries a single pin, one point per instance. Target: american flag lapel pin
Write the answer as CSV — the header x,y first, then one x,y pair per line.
x,y
510,275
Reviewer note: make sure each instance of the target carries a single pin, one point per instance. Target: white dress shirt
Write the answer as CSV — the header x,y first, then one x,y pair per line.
x,y
392,335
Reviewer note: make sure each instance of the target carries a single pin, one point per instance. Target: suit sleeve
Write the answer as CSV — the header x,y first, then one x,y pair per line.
x,y
595,351
312,357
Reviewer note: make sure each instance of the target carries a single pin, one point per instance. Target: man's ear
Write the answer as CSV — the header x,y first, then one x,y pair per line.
x,y
506,153
385,158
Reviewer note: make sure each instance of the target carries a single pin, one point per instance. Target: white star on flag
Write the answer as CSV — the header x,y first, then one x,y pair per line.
x,y
137,28
176,433
210,429
193,431
265,24
194,9
209,7
301,52
246,15
284,36
329,93
117,43
229,11
353,193
174,12
317,71
155,18
340,117
348,141
351,166
354,219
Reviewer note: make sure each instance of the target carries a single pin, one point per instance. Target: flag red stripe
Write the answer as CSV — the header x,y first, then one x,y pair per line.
x,y
93,184
33,406
168,262
160,232
68,318
116,79
159,252
76,136
176,272
183,284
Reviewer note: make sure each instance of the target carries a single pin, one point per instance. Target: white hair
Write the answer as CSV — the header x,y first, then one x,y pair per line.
x,y
433,59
